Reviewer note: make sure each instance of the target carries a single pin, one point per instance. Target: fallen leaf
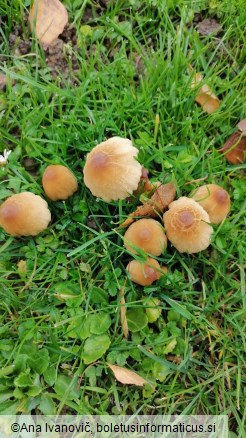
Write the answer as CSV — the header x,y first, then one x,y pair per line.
x,y
123,319
242,127
163,195
236,146
127,377
208,101
48,18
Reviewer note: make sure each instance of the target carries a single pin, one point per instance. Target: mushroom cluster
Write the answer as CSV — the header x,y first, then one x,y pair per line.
x,y
111,172
187,224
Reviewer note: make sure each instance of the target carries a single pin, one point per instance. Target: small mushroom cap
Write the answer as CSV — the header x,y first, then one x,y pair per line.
x,y
215,200
24,214
111,171
146,234
186,224
144,273
242,127
59,182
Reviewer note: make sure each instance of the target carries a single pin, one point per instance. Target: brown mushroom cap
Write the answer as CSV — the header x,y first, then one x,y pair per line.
x,y
144,273
186,226
24,214
111,171
59,182
215,200
146,234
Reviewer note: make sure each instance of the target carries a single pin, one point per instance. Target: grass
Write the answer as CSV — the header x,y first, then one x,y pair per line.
x,y
60,291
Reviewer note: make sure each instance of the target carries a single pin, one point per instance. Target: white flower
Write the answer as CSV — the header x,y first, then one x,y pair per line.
x,y
4,157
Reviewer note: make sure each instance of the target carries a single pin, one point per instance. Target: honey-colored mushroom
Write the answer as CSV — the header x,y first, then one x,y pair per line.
x,y
111,171
187,226
146,234
24,214
59,182
215,200
144,273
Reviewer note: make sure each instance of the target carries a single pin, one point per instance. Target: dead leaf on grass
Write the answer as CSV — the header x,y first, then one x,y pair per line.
x,y
123,319
163,195
236,147
205,97
127,377
48,18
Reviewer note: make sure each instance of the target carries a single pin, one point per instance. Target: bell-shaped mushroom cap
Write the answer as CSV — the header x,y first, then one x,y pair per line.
x,y
111,171
215,200
144,273
186,224
146,234
24,214
59,182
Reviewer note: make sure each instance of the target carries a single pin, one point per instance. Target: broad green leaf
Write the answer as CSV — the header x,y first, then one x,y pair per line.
x,y
27,405
136,319
90,373
47,405
18,393
9,408
173,328
5,395
152,309
80,328
67,387
95,347
160,371
40,361
34,390
172,315
100,323
23,380
50,375
6,371
178,307
98,296
165,362
170,346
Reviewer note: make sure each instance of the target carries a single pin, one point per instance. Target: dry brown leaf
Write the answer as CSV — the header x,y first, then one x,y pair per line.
x,y
242,127
236,145
144,185
123,319
161,198
208,101
127,377
48,18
